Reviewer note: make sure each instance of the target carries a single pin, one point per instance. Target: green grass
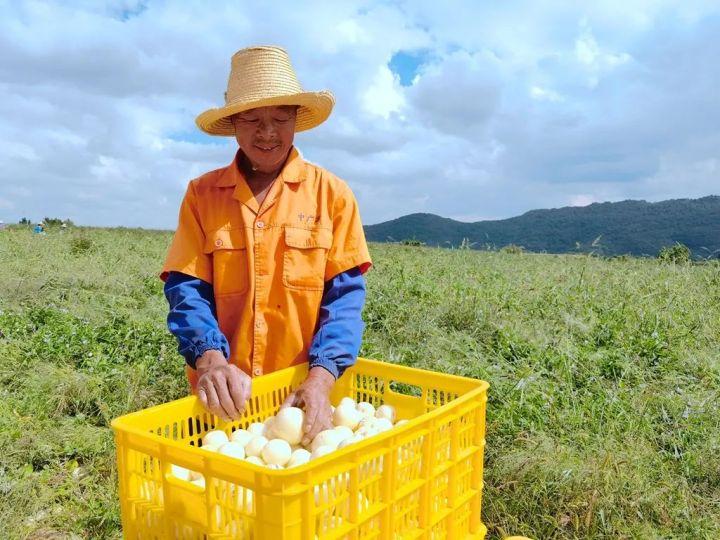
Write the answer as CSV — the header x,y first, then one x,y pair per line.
x,y
603,413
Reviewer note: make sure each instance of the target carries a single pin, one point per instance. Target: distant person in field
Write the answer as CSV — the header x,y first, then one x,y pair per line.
x,y
266,267
39,228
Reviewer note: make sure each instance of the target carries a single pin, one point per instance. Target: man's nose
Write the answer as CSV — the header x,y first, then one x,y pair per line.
x,y
266,129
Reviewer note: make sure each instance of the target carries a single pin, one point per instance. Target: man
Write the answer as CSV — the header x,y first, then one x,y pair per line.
x,y
266,267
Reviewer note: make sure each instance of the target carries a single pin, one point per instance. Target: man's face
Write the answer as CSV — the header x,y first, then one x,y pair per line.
x,y
266,135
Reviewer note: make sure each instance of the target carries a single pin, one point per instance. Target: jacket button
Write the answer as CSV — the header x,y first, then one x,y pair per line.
x,y
218,242
260,224
257,371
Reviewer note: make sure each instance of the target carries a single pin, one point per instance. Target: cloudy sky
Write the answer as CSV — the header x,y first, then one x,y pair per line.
x,y
471,110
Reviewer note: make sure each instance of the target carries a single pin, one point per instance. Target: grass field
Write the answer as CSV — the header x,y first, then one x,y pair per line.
x,y
604,407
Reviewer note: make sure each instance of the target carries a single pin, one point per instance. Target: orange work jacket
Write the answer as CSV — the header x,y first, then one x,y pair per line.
x,y
267,264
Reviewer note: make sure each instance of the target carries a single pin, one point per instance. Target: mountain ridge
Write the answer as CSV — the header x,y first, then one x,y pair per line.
x,y
633,227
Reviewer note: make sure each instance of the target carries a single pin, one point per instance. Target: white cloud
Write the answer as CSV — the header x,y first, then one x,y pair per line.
x,y
13,150
581,200
596,61
384,95
517,107
545,94
471,218
459,94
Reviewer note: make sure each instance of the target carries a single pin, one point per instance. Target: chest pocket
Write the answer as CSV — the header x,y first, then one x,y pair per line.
x,y
306,252
230,264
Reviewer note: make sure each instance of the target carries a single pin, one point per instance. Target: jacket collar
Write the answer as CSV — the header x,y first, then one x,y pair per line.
x,y
292,172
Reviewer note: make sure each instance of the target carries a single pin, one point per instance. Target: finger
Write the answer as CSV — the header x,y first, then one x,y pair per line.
x,y
289,401
310,415
223,393
316,428
325,417
202,396
213,404
247,385
237,391
321,422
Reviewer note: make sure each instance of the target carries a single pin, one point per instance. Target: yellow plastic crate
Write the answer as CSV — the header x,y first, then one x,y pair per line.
x,y
419,480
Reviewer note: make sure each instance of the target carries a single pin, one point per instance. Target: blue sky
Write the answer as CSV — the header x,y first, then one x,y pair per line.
x,y
468,110
406,64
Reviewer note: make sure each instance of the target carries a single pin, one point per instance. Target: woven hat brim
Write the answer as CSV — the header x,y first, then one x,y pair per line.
x,y
314,109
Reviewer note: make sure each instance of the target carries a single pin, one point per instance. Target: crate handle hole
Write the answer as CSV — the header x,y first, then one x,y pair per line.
x,y
405,389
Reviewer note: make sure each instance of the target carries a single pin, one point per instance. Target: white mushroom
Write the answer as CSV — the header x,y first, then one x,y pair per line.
x,y
241,436
385,411
276,452
255,446
298,457
347,402
289,424
366,409
216,438
269,431
348,441
321,451
180,472
344,432
232,449
256,428
328,437
346,415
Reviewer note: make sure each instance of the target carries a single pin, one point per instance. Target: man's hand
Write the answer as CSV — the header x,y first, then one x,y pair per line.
x,y
313,395
222,388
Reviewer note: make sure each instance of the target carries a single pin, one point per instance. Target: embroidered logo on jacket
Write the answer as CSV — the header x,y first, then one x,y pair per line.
x,y
303,218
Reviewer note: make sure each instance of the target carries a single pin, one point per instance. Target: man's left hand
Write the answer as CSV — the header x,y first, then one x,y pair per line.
x,y
313,395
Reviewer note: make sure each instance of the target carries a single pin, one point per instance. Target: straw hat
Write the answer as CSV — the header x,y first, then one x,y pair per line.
x,y
261,77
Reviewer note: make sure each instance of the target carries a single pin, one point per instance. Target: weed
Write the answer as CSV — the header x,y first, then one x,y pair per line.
x,y
677,253
80,245
603,415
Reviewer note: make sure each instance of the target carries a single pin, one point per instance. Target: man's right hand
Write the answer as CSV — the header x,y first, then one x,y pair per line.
x,y
222,388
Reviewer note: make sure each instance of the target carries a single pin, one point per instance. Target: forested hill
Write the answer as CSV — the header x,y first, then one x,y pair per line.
x,y
627,227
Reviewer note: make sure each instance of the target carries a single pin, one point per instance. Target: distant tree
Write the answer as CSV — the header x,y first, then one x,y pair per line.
x,y
24,221
412,242
52,222
677,253
512,248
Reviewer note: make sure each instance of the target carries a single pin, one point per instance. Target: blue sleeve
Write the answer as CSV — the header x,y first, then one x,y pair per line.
x,y
336,343
192,318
